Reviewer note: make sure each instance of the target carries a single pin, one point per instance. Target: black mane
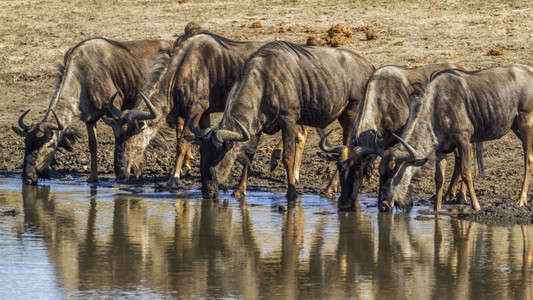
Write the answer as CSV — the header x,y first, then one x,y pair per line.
x,y
222,41
298,49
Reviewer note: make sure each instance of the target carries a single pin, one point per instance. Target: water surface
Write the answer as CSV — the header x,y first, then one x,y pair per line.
x,y
72,240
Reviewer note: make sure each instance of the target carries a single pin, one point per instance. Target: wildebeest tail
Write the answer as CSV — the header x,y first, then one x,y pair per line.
x,y
478,156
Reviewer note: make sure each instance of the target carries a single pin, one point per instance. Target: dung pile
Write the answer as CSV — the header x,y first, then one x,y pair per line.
x,y
498,50
192,28
338,35
315,41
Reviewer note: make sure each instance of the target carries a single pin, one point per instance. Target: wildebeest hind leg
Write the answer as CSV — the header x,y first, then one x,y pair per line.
x,y
526,135
455,182
188,156
93,147
175,175
466,172
275,157
346,120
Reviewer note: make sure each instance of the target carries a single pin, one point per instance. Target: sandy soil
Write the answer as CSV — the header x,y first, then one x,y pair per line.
x,y
34,35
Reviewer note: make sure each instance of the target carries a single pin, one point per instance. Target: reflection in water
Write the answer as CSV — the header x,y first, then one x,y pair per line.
x,y
128,246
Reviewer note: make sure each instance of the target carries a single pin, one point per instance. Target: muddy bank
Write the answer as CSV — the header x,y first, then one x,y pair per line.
x,y
34,38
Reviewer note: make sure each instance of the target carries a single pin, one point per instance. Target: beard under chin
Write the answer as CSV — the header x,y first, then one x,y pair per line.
x,y
44,173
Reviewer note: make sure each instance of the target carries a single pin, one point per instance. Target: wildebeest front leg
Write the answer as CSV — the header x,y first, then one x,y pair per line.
x,y
301,137
466,172
240,191
289,135
93,146
440,169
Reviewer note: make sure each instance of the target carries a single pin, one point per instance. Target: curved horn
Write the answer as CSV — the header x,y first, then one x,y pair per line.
x,y
361,150
411,150
150,106
21,121
228,135
59,124
196,130
328,149
138,115
378,146
114,110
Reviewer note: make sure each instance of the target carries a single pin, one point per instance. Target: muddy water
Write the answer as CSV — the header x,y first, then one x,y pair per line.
x,y
70,240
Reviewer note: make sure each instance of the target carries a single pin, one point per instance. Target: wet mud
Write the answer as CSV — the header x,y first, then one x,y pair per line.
x,y
411,34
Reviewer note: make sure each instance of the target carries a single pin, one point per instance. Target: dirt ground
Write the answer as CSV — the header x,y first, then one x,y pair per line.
x,y
34,35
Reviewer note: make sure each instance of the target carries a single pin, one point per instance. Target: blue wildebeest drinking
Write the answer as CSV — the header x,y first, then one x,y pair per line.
x,y
460,107
283,85
388,93
193,78
92,70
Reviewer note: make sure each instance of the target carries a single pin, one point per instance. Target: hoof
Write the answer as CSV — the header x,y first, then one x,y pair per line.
x,y
460,200
239,194
210,194
185,170
346,206
326,193
172,183
384,207
292,195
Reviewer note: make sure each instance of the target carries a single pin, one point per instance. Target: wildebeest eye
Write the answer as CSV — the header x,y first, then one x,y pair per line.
x,y
141,125
124,127
227,145
39,134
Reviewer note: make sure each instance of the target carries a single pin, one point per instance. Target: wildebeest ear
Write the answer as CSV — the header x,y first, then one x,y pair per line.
x,y
193,139
417,162
328,156
19,131
110,121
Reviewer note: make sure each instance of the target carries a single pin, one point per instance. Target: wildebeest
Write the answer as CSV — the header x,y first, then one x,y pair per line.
x,y
457,108
92,71
194,80
283,85
388,93
301,136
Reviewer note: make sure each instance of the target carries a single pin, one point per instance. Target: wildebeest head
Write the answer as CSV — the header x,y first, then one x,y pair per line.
x,y
354,163
130,144
214,145
395,172
41,141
